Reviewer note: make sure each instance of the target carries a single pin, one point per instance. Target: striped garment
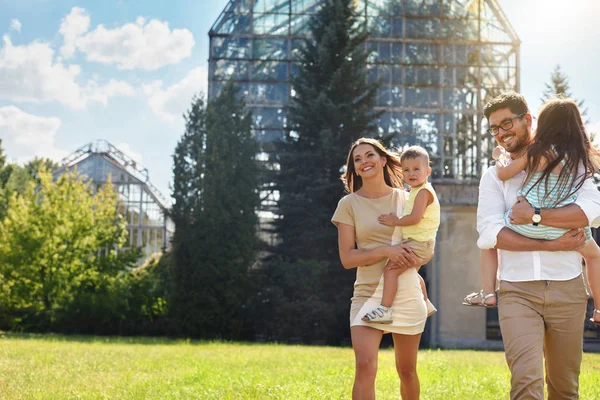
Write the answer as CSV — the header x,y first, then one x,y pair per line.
x,y
536,196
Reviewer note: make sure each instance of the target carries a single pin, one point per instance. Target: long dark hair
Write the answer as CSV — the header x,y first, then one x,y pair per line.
x,y
392,172
560,137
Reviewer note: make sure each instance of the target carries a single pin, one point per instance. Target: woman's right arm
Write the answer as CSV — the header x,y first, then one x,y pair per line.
x,y
352,257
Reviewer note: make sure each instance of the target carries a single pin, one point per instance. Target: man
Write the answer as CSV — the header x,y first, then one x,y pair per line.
x,y
542,296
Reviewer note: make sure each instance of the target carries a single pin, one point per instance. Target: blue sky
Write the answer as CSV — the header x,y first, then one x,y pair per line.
x,y
75,71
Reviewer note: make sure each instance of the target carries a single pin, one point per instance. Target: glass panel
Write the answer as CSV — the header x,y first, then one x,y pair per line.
x,y
422,76
423,97
268,136
455,8
372,73
242,6
306,6
385,74
384,7
225,70
379,27
397,25
270,49
299,25
296,46
423,130
267,93
418,53
269,71
465,29
397,74
230,48
423,7
422,29
390,122
272,6
271,24
233,23
384,96
396,94
269,118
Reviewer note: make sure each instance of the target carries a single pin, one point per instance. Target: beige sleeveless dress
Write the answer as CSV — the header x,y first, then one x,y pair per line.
x,y
409,308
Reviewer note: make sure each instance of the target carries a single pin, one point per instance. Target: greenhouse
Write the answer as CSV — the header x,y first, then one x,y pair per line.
x,y
437,61
141,204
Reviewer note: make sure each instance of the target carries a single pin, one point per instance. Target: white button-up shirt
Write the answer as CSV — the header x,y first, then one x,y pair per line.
x,y
495,198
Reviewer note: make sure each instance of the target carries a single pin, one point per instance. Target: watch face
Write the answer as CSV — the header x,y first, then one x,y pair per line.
x,y
536,218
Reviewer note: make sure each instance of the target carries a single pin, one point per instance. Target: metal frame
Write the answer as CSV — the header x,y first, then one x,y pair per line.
x,y
438,61
141,204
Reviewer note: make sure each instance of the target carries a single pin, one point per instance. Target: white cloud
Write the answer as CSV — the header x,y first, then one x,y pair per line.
x,y
146,45
16,25
30,73
72,27
134,155
25,136
172,102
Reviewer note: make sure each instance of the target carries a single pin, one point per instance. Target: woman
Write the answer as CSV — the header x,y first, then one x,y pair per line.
x,y
373,178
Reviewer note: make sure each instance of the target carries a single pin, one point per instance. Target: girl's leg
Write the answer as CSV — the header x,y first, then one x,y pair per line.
x,y
406,348
489,271
390,285
591,253
365,342
488,260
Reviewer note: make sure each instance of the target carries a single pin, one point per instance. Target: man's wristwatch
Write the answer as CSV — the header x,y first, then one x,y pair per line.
x,y
536,217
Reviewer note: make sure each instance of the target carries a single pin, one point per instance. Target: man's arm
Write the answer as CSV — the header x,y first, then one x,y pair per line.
x,y
493,233
511,240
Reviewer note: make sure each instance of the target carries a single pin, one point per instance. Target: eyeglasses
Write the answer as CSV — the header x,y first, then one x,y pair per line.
x,y
505,125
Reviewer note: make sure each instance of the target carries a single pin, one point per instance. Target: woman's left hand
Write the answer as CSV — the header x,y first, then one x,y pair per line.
x,y
407,260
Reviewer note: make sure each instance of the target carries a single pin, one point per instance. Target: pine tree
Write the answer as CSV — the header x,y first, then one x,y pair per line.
x,y
559,87
216,196
331,107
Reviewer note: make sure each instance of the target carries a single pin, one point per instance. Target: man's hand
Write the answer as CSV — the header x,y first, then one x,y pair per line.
x,y
388,219
522,212
572,240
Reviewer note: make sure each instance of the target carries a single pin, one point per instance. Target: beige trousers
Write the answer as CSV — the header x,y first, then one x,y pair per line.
x,y
543,319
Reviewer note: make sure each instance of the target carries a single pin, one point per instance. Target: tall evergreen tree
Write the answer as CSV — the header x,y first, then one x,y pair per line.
x,y
216,196
559,87
332,106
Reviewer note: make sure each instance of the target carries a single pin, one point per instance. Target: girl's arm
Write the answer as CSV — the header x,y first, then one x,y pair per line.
x,y
352,257
505,172
422,200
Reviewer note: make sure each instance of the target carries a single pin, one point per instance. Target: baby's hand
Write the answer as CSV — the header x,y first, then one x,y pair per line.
x,y
499,153
388,219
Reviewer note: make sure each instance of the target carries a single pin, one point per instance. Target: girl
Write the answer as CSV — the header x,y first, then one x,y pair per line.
x,y
557,162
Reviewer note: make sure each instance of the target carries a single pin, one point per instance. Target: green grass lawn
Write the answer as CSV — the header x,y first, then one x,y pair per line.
x,y
59,367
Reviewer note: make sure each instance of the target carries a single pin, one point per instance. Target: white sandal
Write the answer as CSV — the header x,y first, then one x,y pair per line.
x,y
468,301
379,315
